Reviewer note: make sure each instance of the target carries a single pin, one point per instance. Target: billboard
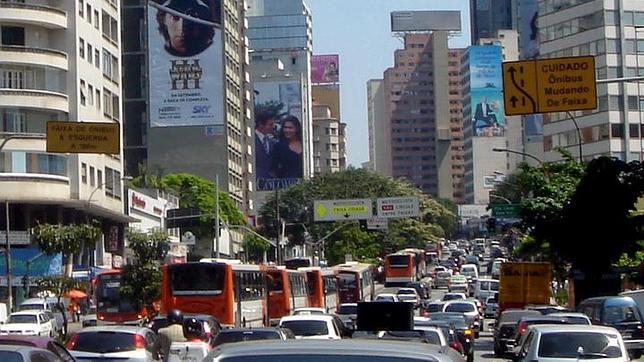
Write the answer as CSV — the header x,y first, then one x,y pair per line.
x,y
32,262
279,145
486,91
435,20
185,63
528,29
325,69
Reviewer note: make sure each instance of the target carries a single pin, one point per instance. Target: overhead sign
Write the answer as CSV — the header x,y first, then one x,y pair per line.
x,y
549,85
398,207
83,137
350,209
505,210
377,224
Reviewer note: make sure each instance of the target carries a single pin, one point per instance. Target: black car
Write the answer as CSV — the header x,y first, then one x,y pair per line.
x,y
525,322
505,328
546,309
235,335
422,288
464,331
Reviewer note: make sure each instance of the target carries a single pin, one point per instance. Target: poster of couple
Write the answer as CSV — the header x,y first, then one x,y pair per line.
x,y
279,146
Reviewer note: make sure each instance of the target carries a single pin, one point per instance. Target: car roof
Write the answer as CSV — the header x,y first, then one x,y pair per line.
x,y
407,289
348,304
460,301
34,301
251,330
35,341
386,295
115,328
355,347
307,317
316,309
535,318
550,328
487,280
568,314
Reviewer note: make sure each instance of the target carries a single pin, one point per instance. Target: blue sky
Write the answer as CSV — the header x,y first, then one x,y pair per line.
x,y
359,31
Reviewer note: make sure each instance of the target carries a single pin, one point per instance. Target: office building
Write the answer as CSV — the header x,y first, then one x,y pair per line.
x,y
329,141
489,16
60,61
379,129
457,147
613,32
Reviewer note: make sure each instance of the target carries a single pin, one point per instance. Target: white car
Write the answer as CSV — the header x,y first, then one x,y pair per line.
x,y
28,323
386,297
409,295
312,326
309,311
454,296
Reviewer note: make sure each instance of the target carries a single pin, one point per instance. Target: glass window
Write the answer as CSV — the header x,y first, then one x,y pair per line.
x,y
617,130
194,279
566,344
84,172
104,342
81,48
307,327
613,46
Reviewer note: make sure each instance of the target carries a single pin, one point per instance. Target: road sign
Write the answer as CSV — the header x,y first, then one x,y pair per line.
x,y
377,224
505,210
398,207
83,137
549,85
334,210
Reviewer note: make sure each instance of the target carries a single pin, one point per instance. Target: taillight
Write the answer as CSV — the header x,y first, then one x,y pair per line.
x,y
139,341
425,313
456,345
72,342
467,333
522,328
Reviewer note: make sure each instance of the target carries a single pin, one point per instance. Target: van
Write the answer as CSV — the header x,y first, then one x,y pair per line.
x,y
3,313
471,271
638,297
486,288
619,312
496,267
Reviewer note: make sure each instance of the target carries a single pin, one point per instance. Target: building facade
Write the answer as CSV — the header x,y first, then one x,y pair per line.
x,y
457,147
489,16
60,61
329,141
379,129
612,32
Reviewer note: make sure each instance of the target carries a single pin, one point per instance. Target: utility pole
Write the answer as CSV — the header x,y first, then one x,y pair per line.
x,y
8,257
217,216
278,226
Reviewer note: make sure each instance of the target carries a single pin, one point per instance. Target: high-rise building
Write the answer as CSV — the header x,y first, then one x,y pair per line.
x,y
457,147
489,16
329,141
612,32
417,109
188,108
280,39
59,61
379,129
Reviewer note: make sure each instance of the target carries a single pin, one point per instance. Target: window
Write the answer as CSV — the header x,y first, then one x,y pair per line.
x,y
107,103
89,53
98,99
81,6
90,94
99,178
110,66
96,21
92,180
89,13
13,35
82,92
84,172
97,58
81,48
13,122
112,183
110,28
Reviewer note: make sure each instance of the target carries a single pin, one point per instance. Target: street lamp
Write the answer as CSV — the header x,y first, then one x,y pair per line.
x,y
507,150
500,198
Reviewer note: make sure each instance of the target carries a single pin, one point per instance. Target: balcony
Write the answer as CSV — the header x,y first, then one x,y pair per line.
x,y
29,55
39,15
34,99
28,187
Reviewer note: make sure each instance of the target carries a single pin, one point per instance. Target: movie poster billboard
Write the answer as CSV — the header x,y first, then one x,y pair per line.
x,y
486,91
325,69
279,145
185,63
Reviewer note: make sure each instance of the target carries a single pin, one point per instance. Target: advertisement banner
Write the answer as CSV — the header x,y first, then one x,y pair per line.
x,y
32,262
486,91
185,68
325,69
528,29
279,144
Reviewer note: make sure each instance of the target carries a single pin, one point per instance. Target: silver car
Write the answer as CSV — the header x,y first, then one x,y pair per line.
x,y
113,343
469,310
571,343
15,353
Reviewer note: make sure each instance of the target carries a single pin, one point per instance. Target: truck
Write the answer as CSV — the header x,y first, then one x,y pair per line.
x,y
523,283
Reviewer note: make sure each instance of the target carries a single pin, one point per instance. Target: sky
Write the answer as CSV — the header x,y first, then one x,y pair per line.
x,y
359,31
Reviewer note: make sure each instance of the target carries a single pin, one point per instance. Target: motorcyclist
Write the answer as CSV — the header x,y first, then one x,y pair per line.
x,y
172,333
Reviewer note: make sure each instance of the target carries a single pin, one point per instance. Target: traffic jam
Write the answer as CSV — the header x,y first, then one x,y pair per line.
x,y
418,305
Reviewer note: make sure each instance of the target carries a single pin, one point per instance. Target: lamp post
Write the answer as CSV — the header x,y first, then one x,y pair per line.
x,y
500,198
507,150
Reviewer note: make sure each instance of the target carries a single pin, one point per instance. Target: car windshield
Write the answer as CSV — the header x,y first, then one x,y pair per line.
x,y
460,307
569,344
23,318
621,314
385,298
431,336
432,308
347,309
104,342
8,356
326,357
444,274
307,328
406,291
243,336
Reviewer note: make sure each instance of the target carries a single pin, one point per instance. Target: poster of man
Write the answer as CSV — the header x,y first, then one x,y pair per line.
x,y
186,67
486,91
279,146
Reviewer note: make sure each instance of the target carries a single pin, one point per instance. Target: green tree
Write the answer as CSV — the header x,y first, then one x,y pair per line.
x,y
255,247
141,279
65,239
296,206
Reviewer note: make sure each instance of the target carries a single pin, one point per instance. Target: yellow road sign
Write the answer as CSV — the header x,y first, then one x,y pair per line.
x,y
520,88
549,85
349,209
83,137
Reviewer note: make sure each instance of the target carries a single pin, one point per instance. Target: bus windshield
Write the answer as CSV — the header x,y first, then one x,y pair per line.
x,y
197,279
399,261
346,281
108,295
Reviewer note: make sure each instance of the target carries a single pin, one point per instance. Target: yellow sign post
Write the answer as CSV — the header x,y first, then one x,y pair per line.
x,y
83,137
549,85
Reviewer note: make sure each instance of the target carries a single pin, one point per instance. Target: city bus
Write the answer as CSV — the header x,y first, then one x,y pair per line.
x,y
111,307
322,288
228,290
399,269
286,291
420,264
355,282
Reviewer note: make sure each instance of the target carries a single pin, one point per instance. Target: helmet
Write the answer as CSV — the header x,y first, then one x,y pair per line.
x,y
175,316
192,328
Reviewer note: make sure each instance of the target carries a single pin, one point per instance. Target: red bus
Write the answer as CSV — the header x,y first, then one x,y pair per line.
x,y
322,288
111,307
399,269
286,292
228,290
420,264
355,282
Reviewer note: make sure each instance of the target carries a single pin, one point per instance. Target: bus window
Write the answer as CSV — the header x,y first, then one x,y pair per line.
x,y
192,279
399,261
275,283
109,297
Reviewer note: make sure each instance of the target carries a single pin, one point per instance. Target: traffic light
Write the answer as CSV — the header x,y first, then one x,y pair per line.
x,y
491,224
